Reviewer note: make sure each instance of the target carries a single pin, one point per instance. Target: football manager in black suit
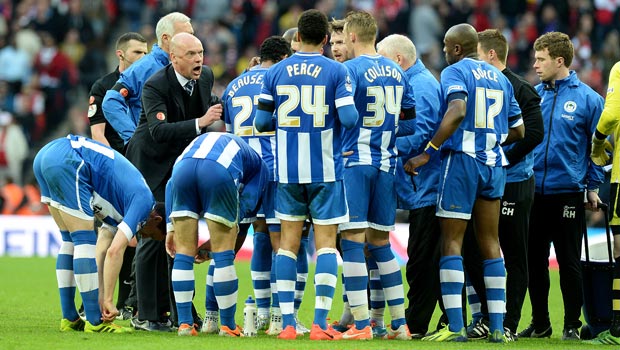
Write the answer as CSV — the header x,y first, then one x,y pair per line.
x,y
177,106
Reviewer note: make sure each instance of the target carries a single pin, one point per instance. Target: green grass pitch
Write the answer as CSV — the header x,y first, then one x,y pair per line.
x,y
30,316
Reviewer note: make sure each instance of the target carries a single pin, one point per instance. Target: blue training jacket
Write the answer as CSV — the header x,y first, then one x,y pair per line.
x,y
121,104
420,191
570,110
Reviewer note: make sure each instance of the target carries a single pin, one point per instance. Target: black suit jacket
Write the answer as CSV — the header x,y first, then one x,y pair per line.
x,y
165,129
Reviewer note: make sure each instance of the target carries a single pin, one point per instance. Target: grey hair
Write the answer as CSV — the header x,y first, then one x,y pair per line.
x,y
397,43
165,25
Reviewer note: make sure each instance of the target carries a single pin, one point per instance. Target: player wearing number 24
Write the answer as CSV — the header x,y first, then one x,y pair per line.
x,y
312,97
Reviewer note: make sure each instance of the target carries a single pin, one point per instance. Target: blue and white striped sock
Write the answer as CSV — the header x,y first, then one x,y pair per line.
x,y
452,278
260,269
377,296
392,282
302,271
286,278
473,300
85,270
66,278
356,279
225,286
210,302
325,279
183,284
275,301
495,283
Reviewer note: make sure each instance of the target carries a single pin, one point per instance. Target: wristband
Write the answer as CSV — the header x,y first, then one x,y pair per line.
x,y
430,148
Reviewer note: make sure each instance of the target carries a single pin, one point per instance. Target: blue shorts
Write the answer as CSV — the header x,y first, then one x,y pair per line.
x,y
267,209
463,180
64,179
202,187
324,202
371,197
252,193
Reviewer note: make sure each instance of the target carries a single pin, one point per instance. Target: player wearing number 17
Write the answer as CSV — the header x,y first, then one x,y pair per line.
x,y
481,114
311,95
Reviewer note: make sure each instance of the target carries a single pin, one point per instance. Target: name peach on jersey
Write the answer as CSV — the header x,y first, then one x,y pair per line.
x,y
488,74
304,69
248,79
382,71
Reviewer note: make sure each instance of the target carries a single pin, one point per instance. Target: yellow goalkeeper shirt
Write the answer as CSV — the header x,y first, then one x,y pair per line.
x,y
610,119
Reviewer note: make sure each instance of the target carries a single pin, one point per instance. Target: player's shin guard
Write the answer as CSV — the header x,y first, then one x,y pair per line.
x,y
183,284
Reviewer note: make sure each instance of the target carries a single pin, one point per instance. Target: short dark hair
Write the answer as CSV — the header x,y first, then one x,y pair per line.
x,y
121,43
313,27
495,40
274,48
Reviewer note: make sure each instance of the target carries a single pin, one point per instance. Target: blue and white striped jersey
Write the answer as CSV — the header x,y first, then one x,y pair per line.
x,y
306,89
379,89
120,197
240,99
491,110
228,150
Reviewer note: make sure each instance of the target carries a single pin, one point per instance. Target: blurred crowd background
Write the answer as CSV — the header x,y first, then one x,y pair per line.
x,y
52,51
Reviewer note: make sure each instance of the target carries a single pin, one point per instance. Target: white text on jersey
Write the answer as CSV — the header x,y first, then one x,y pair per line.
x,y
382,71
304,69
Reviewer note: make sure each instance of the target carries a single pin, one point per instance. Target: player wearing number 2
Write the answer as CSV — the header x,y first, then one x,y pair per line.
x,y
311,95
379,86
240,99
481,114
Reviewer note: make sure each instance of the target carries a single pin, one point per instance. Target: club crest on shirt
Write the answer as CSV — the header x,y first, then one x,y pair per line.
x,y
348,85
570,106
160,116
92,109
124,92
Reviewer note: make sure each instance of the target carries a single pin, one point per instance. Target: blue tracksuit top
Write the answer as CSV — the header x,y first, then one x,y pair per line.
x,y
570,112
121,104
420,191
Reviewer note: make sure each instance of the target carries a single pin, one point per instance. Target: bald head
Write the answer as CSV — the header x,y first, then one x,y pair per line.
x,y
186,55
460,41
181,41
